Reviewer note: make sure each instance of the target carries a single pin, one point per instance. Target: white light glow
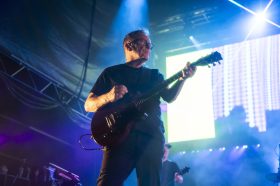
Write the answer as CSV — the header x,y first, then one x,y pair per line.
x,y
191,116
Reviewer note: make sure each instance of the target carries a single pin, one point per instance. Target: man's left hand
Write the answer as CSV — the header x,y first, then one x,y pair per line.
x,y
188,71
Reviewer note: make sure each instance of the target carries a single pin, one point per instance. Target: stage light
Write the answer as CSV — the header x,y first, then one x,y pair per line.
x,y
236,153
259,18
136,11
182,152
245,146
258,22
132,14
196,43
210,150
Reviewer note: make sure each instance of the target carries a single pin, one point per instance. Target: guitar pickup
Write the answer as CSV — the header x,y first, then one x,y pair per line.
x,y
110,120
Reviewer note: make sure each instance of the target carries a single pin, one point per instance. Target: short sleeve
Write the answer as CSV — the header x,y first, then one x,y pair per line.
x,y
102,84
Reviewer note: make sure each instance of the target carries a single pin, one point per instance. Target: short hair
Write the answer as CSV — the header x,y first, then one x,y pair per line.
x,y
132,35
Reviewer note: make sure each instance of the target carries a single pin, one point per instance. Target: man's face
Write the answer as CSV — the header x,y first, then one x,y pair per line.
x,y
142,47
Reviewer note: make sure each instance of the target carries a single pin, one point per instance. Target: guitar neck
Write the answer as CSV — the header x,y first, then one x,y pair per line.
x,y
184,170
172,79
156,90
209,59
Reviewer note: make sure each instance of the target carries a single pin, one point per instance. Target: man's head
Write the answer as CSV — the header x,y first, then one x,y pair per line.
x,y
137,45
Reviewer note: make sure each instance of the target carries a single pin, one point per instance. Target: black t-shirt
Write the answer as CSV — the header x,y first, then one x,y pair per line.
x,y
137,80
167,173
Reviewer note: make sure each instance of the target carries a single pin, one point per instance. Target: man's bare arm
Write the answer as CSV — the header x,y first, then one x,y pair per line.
x,y
170,94
94,102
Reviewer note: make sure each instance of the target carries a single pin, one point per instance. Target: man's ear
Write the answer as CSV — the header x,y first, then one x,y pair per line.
x,y
129,46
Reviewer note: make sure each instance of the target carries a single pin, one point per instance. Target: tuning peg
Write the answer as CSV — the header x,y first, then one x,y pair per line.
x,y
209,66
219,62
214,64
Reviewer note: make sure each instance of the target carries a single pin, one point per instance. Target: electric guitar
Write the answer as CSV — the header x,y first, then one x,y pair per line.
x,y
112,123
181,172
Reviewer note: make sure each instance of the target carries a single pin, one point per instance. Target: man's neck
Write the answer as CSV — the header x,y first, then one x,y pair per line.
x,y
138,63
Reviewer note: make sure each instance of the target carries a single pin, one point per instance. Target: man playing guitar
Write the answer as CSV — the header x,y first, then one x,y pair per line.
x,y
142,147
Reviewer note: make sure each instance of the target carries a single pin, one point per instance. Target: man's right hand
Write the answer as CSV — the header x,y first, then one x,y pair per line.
x,y
116,93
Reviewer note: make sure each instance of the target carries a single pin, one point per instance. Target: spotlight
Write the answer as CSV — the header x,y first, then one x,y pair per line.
x,y
259,17
210,150
237,147
195,42
245,146
258,22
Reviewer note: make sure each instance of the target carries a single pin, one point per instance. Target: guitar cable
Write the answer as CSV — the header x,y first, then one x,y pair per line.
x,y
86,148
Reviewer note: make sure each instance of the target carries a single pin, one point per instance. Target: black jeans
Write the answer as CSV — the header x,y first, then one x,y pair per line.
x,y
140,151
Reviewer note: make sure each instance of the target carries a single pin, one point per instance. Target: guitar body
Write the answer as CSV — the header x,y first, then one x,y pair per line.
x,y
111,124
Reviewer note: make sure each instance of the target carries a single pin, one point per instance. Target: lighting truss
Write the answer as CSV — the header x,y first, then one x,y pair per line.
x,y
39,91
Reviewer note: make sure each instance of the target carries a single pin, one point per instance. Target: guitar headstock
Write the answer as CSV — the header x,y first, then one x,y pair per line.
x,y
209,59
184,170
